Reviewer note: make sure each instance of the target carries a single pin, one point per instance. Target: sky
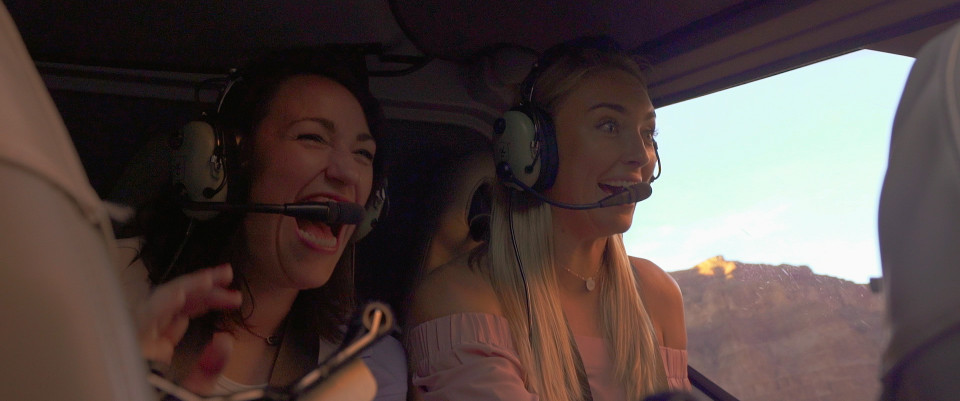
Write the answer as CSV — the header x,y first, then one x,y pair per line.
x,y
787,169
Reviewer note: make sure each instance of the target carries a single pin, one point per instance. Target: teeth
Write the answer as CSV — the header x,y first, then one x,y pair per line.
x,y
320,242
620,184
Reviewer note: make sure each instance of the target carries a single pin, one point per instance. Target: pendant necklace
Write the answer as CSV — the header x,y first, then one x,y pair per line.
x,y
589,282
272,341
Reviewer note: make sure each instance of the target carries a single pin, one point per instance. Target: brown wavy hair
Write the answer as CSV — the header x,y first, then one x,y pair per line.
x,y
169,251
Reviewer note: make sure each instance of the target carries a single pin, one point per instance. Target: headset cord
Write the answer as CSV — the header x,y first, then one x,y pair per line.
x,y
536,158
523,276
176,255
656,151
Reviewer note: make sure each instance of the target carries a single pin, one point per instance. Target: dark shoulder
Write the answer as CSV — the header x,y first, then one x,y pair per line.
x,y
450,289
663,300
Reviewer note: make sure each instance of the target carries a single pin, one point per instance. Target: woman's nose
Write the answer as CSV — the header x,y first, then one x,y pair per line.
x,y
342,167
639,150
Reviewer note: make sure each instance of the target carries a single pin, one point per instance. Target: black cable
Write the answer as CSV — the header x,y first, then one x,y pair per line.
x,y
656,151
523,277
176,255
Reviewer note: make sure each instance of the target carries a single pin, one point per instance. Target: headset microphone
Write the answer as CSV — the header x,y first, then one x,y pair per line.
x,y
323,212
633,194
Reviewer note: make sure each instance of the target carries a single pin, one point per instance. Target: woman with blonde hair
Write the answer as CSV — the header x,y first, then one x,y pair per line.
x,y
552,307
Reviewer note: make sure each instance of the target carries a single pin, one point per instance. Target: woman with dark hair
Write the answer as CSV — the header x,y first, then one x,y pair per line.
x,y
293,126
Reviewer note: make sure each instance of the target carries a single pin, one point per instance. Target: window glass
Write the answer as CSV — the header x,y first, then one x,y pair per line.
x,y
765,214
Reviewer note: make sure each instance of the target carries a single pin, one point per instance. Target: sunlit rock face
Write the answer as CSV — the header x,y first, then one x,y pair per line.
x,y
716,265
782,332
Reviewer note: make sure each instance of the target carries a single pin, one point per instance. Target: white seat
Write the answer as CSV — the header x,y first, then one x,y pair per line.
x,y
66,334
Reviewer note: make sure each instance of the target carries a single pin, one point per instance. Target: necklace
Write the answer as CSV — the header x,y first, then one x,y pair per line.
x,y
589,282
272,341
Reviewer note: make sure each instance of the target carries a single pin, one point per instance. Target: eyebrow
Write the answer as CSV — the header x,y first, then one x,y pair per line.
x,y
332,127
619,108
613,106
325,123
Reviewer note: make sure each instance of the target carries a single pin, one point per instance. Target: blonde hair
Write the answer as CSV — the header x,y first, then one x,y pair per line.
x,y
519,262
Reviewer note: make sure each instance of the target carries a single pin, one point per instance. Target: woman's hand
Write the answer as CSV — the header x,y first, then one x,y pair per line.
x,y
163,321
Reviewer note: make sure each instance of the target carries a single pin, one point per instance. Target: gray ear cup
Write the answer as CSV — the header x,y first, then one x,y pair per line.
x,y
200,157
375,210
199,166
526,142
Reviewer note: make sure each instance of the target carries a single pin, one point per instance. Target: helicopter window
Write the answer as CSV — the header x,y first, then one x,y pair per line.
x,y
766,217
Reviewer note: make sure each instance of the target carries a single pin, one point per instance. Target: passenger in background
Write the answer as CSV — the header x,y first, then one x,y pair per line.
x,y
464,219
297,126
919,227
439,210
552,307
428,220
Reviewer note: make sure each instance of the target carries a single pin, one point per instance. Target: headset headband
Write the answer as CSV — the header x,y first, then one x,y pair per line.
x,y
550,56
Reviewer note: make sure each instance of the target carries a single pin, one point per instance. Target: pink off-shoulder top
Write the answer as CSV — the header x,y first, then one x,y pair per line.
x,y
470,356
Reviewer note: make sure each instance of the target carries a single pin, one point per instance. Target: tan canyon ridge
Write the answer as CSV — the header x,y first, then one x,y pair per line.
x,y
766,332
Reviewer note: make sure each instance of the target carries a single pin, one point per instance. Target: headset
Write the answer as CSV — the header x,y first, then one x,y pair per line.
x,y
526,141
205,157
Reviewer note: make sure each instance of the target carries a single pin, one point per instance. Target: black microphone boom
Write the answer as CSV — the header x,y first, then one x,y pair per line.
x,y
334,213
324,212
632,194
